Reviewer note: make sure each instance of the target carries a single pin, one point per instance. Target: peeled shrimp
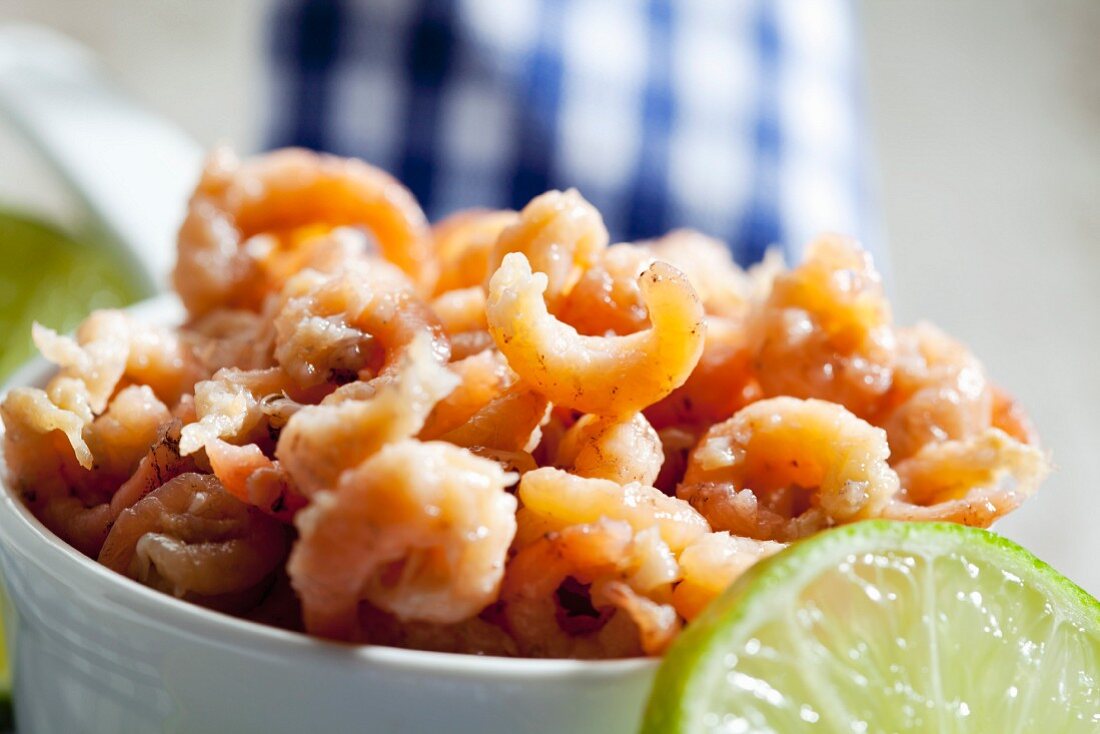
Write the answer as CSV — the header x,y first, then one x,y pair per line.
x,y
335,327
604,375
233,338
121,436
192,539
1010,417
45,451
562,593
420,530
463,244
607,297
321,441
711,564
623,450
109,345
507,423
562,499
973,482
795,456
723,287
940,392
245,220
253,478
825,329
560,234
482,377
230,406
722,382
96,356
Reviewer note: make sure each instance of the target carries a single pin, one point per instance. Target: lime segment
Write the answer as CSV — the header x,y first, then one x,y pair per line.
x,y
888,627
47,277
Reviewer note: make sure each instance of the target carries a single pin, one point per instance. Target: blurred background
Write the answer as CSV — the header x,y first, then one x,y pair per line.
x,y
984,132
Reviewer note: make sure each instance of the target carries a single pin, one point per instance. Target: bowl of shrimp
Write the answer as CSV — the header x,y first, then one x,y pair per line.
x,y
363,471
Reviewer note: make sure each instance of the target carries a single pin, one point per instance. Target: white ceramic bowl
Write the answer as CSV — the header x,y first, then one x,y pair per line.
x,y
97,652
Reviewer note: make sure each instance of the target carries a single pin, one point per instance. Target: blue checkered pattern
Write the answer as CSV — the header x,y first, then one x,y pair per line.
x,y
739,118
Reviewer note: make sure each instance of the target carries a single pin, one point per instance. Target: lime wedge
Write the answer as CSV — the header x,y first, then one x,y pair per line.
x,y
888,627
48,277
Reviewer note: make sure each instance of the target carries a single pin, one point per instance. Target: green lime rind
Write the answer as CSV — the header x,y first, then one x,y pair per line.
x,y
679,702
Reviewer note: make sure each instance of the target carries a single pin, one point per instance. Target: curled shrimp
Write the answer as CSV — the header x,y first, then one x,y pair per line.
x,y
562,594
319,442
45,443
722,382
246,220
612,375
192,539
711,564
940,392
794,456
972,481
559,499
46,457
337,326
623,450
825,330
420,530
560,234
463,243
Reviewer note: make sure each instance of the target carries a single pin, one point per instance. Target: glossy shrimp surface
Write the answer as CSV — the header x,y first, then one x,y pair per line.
x,y
248,223
623,450
795,457
605,375
825,329
497,433
560,234
420,530
319,442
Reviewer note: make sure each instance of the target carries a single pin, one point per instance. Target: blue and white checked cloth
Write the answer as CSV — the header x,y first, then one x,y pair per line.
x,y
740,118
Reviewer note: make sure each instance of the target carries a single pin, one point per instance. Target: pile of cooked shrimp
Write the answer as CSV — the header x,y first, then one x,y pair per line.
x,y
499,434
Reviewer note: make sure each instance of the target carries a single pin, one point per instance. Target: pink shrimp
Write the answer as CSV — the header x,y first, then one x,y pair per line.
x,y
192,539
420,530
248,222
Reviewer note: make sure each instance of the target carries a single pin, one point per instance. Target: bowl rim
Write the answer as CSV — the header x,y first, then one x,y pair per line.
x,y
50,554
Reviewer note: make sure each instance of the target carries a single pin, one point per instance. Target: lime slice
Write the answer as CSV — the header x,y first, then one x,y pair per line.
x,y
48,277
888,627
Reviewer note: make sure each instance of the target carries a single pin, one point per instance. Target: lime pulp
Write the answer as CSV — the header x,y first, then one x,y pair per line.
x,y
888,627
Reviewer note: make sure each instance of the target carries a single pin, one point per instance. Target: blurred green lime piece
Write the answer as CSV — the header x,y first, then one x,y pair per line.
x,y
49,277
888,627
